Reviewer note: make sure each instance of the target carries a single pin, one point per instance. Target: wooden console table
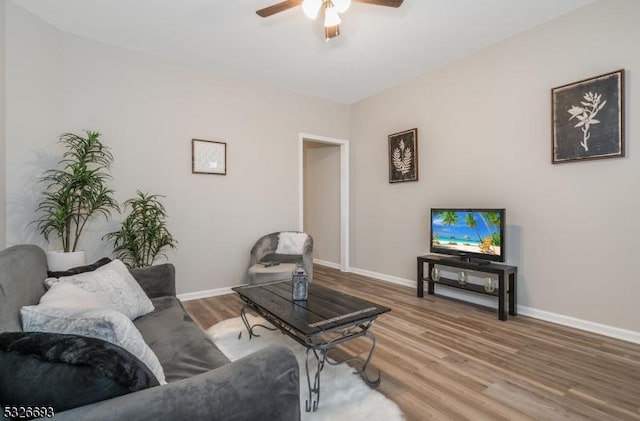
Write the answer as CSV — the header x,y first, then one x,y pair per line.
x,y
507,280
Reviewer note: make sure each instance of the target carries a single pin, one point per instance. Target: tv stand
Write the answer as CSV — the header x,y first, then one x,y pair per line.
x,y
507,280
470,259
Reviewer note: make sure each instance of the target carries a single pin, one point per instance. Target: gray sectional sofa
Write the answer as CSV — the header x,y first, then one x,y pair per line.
x,y
202,383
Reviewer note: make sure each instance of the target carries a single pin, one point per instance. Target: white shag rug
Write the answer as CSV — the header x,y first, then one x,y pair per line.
x,y
343,395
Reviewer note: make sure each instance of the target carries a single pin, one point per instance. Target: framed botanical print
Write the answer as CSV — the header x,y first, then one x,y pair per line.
x,y
588,119
403,156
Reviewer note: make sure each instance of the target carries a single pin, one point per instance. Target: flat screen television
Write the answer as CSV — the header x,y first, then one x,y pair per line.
x,y
472,234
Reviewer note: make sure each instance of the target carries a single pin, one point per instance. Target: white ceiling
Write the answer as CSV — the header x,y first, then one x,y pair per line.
x,y
380,47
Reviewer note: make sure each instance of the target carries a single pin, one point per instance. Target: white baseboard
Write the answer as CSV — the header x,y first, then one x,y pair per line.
x,y
188,296
383,277
561,319
606,330
327,264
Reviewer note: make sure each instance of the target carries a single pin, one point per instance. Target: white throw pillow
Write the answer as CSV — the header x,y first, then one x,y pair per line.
x,y
291,242
115,288
66,295
106,324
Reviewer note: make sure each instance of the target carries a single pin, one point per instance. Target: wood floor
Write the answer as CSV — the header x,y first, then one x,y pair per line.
x,y
446,360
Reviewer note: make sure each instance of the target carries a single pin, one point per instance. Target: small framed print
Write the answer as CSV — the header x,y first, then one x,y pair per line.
x,y
588,119
403,156
208,157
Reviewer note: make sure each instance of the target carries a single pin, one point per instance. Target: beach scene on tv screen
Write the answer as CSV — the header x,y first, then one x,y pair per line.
x,y
467,231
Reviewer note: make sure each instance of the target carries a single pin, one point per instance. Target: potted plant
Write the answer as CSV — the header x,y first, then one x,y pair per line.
x,y
144,234
74,193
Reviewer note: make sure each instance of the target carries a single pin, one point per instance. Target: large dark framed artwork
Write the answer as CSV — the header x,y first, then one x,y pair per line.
x,y
403,156
588,119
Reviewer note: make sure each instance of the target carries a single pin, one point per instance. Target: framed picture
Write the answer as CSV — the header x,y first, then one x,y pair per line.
x,y
208,157
587,119
403,156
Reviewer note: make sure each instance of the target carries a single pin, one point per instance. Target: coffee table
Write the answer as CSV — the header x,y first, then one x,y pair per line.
x,y
327,319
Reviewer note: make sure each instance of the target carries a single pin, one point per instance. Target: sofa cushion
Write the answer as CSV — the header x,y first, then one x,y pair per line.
x,y
157,280
65,295
283,258
79,269
180,345
114,287
106,324
66,371
22,270
259,273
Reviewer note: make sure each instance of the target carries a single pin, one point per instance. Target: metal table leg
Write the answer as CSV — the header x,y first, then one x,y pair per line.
x,y
314,391
363,370
321,351
243,316
320,346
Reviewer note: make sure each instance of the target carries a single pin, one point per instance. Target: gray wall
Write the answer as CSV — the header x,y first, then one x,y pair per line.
x,y
3,173
34,116
148,110
484,141
322,199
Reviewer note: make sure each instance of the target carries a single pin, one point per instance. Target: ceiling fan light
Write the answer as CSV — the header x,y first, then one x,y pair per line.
x,y
311,8
331,17
341,5
331,32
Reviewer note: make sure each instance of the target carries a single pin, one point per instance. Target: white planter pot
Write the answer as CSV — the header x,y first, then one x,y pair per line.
x,y
59,260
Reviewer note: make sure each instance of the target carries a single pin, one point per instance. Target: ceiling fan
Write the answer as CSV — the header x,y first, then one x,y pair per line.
x,y
330,11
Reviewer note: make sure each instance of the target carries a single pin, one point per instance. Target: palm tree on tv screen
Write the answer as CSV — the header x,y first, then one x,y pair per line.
x,y
471,223
450,218
492,221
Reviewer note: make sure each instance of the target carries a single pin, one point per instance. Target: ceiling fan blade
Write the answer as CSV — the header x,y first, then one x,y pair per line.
x,y
278,7
388,3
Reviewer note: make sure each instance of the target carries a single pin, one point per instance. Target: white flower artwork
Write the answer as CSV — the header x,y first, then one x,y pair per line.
x,y
403,156
588,119
591,105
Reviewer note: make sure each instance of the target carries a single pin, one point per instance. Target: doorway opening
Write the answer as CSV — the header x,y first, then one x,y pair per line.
x,y
310,139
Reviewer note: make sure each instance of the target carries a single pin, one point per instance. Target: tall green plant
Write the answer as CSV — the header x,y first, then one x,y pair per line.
x,y
76,191
144,234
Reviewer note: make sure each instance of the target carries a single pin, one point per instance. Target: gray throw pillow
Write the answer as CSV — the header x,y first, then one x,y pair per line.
x,y
106,324
115,288
66,295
